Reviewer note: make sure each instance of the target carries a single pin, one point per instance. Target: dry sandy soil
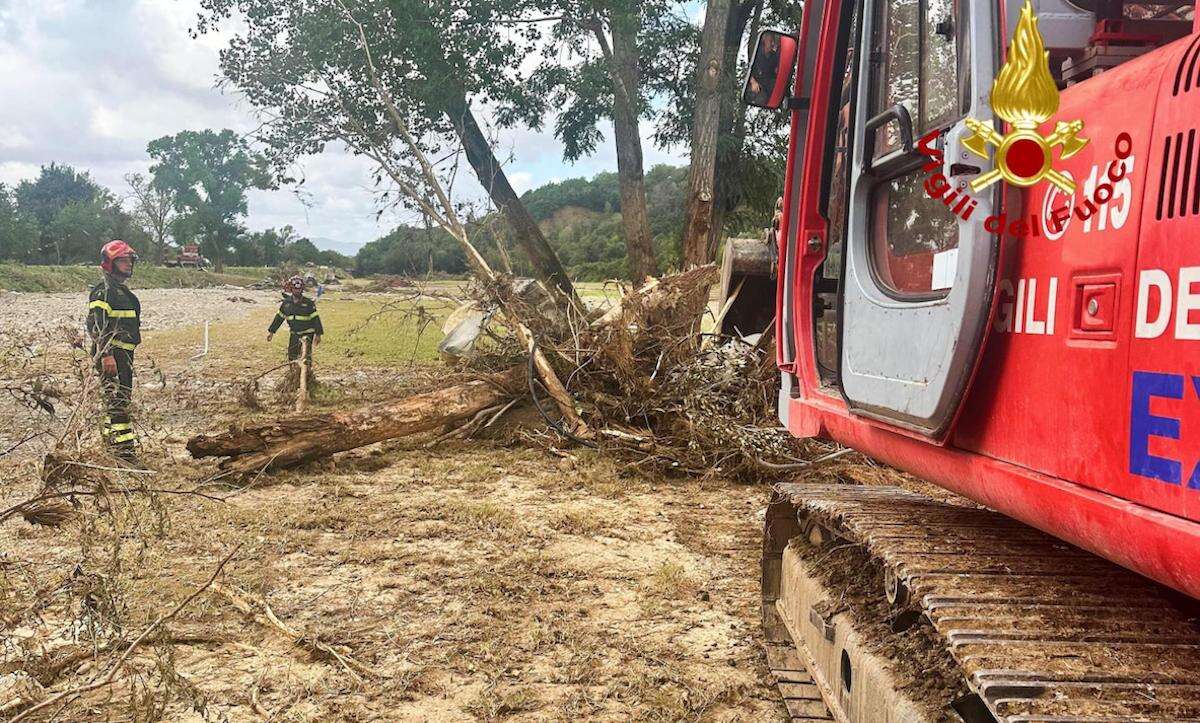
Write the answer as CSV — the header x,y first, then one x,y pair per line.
x,y
471,581
161,308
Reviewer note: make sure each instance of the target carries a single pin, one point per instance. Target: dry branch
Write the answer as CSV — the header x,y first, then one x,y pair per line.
x,y
262,613
67,696
621,363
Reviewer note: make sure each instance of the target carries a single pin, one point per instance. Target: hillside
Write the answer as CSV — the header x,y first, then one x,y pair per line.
x,y
580,217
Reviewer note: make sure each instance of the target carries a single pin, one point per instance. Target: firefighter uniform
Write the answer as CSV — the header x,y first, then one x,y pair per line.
x,y
303,321
114,323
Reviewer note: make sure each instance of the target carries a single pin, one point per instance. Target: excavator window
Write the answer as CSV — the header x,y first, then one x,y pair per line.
x,y
912,240
915,54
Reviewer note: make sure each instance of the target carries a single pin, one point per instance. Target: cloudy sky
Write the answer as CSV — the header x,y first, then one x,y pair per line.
x,y
90,82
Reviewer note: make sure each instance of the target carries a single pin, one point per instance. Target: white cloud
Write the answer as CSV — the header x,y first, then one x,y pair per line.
x,y
521,181
12,172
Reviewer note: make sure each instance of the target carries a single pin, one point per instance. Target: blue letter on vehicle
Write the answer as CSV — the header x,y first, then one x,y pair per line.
x,y
1143,425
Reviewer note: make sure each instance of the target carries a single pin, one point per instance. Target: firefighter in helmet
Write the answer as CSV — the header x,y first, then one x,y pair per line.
x,y
114,323
300,313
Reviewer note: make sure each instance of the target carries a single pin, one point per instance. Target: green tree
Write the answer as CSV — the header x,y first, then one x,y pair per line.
x,y
47,196
263,248
410,251
79,229
209,173
18,230
303,62
55,187
300,251
624,53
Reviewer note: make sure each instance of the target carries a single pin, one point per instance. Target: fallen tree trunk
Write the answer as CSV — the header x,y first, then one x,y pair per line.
x,y
286,442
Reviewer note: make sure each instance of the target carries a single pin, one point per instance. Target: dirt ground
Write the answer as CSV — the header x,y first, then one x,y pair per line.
x,y
161,308
470,581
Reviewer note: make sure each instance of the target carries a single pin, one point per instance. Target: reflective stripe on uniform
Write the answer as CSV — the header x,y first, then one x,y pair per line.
x,y
114,313
123,345
280,315
120,426
306,317
306,332
127,437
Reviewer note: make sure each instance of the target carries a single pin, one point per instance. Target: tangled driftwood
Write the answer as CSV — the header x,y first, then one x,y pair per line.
x,y
642,379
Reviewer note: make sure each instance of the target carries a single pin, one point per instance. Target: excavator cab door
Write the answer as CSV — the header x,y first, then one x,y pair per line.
x,y
919,273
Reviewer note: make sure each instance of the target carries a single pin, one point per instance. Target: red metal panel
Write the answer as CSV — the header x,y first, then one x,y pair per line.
x,y
1048,398
809,224
788,246
1163,407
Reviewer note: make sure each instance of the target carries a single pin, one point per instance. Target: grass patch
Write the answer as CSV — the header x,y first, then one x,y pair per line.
x,y
482,516
577,521
495,702
393,339
21,277
670,581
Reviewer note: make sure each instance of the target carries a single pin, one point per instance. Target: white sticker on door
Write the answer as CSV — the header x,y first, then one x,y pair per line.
x,y
945,266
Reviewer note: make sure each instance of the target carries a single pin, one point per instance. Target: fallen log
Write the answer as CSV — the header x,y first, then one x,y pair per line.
x,y
276,444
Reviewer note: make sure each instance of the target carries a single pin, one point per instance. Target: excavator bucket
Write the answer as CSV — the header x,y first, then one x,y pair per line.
x,y
747,287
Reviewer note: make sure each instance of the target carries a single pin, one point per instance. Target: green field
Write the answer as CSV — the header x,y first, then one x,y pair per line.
x,y
21,277
358,332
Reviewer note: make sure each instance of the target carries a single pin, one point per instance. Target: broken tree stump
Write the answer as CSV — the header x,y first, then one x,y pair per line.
x,y
290,441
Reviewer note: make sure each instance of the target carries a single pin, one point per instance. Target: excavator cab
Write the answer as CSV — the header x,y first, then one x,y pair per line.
x,y
884,290
912,281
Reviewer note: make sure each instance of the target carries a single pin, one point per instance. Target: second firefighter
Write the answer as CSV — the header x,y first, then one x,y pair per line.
x,y
300,313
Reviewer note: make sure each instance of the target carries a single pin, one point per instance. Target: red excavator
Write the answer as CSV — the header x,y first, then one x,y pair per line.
x,y
987,275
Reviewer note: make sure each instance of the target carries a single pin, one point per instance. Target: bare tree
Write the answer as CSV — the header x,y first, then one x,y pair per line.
x,y
623,58
715,127
301,66
608,60
153,210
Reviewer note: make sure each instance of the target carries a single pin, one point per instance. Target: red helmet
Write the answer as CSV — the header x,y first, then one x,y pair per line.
x,y
294,285
112,251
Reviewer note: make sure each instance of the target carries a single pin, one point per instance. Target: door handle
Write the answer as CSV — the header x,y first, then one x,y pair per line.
x,y
898,114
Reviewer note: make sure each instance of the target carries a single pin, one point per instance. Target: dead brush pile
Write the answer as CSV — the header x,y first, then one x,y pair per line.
x,y
640,380
77,627
668,396
723,413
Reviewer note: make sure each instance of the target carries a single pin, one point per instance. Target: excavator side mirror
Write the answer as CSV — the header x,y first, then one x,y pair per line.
x,y
771,69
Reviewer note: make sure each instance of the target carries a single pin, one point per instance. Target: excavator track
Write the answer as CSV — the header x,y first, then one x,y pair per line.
x,y
1041,631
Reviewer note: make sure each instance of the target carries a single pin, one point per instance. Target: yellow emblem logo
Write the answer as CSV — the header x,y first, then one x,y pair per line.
x,y
1024,94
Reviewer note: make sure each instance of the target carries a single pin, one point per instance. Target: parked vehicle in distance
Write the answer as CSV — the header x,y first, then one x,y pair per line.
x,y
189,256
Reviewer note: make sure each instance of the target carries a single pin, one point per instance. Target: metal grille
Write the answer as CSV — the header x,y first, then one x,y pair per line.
x,y
1179,177
1186,74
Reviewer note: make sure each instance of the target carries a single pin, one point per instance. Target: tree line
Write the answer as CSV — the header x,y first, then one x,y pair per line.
x,y
195,193
580,218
